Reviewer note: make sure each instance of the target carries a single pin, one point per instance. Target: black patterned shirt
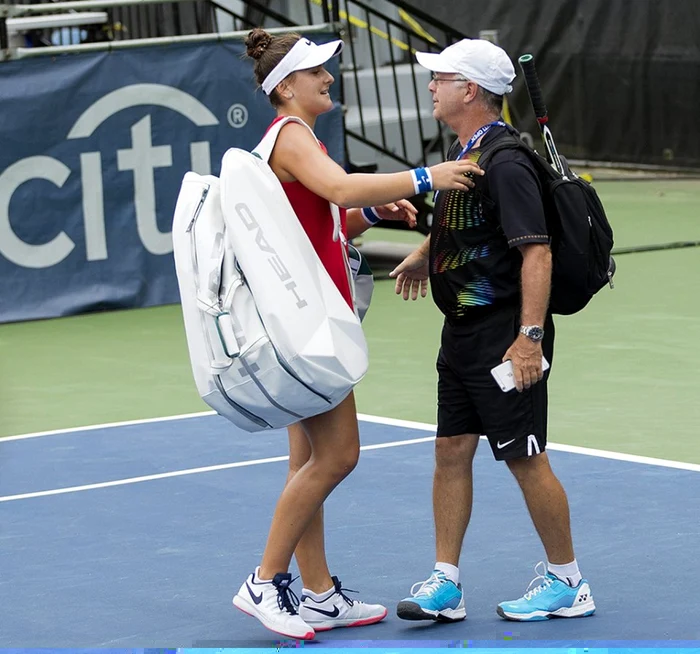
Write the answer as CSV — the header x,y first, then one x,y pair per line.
x,y
474,260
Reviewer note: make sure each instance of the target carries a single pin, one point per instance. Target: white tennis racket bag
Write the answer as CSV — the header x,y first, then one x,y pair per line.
x,y
270,337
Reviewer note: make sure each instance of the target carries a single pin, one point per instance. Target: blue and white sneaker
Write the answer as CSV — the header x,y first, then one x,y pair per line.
x,y
437,599
550,598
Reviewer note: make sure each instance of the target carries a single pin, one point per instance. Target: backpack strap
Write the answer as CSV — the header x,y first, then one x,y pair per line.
x,y
264,151
512,141
506,142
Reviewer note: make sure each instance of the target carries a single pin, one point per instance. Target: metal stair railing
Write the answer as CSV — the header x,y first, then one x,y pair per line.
x,y
389,85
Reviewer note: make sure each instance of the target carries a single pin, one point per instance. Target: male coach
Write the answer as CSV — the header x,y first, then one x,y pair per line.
x,y
489,265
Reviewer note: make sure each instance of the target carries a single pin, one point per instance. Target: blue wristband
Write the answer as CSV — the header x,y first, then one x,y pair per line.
x,y
370,215
422,180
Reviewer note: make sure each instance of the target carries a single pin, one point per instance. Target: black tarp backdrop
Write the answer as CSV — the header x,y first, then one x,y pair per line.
x,y
621,78
164,19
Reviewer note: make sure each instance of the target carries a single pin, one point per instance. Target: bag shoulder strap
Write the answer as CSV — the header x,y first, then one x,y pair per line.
x,y
264,149
513,142
267,144
509,141
506,142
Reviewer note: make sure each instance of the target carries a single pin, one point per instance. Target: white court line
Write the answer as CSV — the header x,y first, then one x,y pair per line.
x,y
106,425
393,422
571,449
190,471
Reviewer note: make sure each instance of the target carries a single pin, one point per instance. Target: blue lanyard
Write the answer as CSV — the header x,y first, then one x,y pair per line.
x,y
482,131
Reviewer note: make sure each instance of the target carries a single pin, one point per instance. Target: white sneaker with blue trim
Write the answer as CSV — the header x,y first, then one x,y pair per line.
x,y
338,610
274,604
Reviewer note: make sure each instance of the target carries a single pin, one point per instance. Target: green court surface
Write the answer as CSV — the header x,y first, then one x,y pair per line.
x,y
625,376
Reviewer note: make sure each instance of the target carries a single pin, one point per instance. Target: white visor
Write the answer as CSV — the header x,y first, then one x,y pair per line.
x,y
305,54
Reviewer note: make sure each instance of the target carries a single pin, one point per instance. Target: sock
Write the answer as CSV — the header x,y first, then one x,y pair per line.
x,y
256,577
450,571
568,573
319,597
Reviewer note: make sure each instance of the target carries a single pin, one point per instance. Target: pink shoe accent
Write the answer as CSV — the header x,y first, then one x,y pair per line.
x,y
309,635
359,623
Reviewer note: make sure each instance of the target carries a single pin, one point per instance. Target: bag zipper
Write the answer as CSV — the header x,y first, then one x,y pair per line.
x,y
198,210
247,414
217,378
288,369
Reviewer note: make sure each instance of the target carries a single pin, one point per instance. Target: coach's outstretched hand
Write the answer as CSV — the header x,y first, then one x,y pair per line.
x,y
412,275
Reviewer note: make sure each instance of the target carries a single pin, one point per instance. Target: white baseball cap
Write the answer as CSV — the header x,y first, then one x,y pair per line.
x,y
303,55
476,60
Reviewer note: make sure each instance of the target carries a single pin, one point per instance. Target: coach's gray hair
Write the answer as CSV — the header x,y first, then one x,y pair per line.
x,y
491,101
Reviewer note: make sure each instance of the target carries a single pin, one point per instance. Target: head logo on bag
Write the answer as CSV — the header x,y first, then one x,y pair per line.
x,y
246,216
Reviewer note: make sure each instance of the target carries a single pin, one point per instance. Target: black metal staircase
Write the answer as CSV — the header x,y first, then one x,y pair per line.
x,y
388,113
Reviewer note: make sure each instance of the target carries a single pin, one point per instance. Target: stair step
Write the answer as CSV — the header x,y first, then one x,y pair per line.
x,y
387,83
359,152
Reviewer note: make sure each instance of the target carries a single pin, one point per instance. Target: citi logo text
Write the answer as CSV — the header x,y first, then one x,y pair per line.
x,y
142,158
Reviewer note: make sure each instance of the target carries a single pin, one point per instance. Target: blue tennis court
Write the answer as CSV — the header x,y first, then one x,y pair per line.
x,y
137,535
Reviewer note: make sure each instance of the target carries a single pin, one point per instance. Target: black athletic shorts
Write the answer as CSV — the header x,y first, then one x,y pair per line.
x,y
469,399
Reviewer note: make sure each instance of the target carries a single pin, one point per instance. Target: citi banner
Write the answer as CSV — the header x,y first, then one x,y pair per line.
x,y
93,148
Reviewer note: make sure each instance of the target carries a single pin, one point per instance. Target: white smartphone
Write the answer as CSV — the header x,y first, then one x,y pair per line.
x,y
503,374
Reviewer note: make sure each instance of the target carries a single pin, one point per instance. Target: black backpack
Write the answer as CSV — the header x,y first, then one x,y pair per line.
x,y
581,238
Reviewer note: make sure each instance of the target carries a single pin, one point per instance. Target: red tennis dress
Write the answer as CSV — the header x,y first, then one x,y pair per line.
x,y
314,213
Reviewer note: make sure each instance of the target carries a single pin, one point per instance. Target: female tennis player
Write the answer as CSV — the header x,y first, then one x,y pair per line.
x,y
324,449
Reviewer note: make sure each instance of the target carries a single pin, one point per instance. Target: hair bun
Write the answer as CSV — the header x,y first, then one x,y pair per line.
x,y
257,42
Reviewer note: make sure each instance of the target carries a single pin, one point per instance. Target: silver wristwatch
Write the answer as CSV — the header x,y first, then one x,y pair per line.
x,y
534,332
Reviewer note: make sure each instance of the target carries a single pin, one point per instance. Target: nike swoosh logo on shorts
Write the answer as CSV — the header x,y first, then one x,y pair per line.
x,y
500,445
256,598
331,614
